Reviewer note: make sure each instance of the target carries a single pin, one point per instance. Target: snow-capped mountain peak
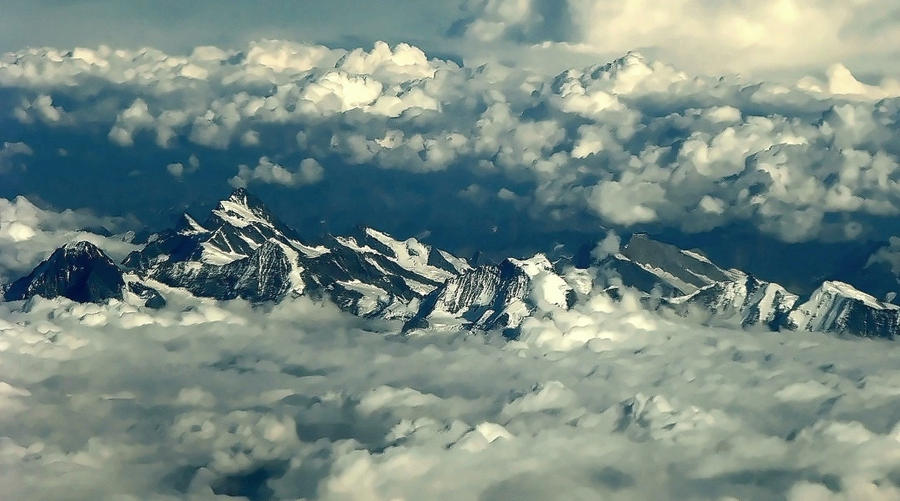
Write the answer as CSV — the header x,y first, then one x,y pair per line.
x,y
82,248
533,265
79,271
242,209
492,297
839,307
243,251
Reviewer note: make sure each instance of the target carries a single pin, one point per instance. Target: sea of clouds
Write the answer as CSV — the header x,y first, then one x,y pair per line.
x,y
631,142
206,399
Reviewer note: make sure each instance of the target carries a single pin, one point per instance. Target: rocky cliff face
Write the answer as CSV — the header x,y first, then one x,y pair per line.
x,y
686,282
838,307
494,296
242,251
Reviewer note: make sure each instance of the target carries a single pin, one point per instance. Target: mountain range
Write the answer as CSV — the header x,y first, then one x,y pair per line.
x,y
241,250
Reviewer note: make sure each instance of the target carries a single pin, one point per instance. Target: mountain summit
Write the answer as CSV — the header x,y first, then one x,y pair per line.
x,y
79,271
241,250
687,283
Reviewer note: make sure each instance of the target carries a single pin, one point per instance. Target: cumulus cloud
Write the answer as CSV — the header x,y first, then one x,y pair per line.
x,y
308,172
130,120
889,255
699,34
840,81
299,400
8,153
41,108
610,244
631,142
28,234
175,169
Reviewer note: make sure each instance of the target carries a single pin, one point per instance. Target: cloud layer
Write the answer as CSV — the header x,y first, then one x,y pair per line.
x,y
302,401
628,143
299,400
743,36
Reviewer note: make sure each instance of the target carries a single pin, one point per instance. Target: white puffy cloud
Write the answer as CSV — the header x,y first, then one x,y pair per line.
x,y
301,401
400,64
281,56
742,36
889,255
130,120
631,142
175,169
41,108
178,169
840,81
496,18
9,151
308,172
610,244
28,234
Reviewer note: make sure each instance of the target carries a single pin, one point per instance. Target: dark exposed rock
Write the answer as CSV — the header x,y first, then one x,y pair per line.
x,y
488,297
242,251
690,270
152,298
78,271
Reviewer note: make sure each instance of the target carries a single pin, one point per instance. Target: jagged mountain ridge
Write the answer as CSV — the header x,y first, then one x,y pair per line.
x,y
686,282
491,297
752,301
242,251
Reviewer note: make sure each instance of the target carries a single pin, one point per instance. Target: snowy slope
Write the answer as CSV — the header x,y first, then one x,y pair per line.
x,y
494,296
749,301
241,250
684,270
840,308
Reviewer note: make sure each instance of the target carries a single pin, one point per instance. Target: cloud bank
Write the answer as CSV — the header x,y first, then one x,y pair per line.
x,y
299,400
741,36
627,143
203,399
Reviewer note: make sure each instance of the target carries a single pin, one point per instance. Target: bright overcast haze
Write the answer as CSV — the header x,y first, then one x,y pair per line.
x,y
477,250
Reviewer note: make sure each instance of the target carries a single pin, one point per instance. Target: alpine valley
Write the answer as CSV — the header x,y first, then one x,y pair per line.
x,y
241,250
